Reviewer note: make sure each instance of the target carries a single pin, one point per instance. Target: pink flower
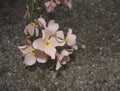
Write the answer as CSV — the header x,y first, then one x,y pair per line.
x,y
31,29
47,44
27,14
31,55
58,2
51,30
63,57
71,39
68,3
50,6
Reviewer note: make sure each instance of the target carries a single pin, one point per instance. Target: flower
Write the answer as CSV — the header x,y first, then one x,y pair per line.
x,y
63,57
47,44
27,14
58,2
71,39
51,29
31,29
50,6
68,3
31,55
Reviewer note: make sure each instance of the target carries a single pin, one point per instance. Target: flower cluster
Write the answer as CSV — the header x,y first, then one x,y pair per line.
x,y
49,42
50,5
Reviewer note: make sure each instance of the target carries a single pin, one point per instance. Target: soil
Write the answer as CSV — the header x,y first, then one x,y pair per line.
x,y
95,66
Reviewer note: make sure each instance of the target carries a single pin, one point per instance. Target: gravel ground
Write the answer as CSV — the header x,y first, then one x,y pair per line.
x,y
95,66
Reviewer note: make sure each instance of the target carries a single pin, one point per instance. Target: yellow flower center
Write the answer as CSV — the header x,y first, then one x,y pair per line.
x,y
32,24
53,34
47,43
66,40
33,52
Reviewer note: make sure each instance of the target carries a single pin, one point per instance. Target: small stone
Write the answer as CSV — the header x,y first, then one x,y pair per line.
x,y
79,67
56,83
93,65
83,46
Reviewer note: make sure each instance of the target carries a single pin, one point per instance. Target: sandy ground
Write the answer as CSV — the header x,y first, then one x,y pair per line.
x,y
95,66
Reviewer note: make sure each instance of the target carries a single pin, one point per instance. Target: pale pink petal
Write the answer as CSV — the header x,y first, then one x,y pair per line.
x,y
38,44
53,28
42,22
55,42
46,34
41,57
75,47
47,3
41,60
26,30
25,49
51,22
50,5
51,51
63,53
29,60
31,30
60,36
68,3
28,41
65,60
27,14
37,32
58,65
71,38
58,2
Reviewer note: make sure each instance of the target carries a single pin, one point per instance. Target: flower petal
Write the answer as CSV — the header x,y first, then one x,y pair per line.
x,y
50,5
70,38
42,22
51,22
31,30
68,3
41,57
58,2
58,65
46,34
36,32
29,60
28,41
63,53
53,28
25,49
75,47
55,42
51,51
65,60
38,44
60,36
26,30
